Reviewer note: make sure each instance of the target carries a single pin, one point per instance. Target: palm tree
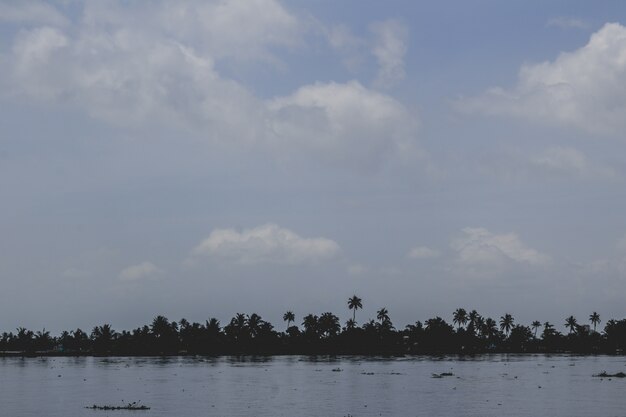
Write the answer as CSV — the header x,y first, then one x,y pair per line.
x,y
213,326
594,318
310,324
548,330
382,315
490,329
473,318
289,317
160,327
571,323
254,324
506,323
350,324
536,324
459,317
102,337
329,324
43,340
354,303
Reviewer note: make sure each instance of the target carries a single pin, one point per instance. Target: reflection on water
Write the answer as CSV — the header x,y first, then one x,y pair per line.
x,y
487,385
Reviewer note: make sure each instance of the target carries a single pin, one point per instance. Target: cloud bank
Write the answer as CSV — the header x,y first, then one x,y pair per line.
x,y
584,89
163,73
479,246
267,243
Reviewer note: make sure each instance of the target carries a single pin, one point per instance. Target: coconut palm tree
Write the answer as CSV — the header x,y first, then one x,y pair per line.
x,y
459,317
594,318
354,303
506,323
289,317
329,324
310,324
536,324
473,320
160,327
548,330
255,323
489,329
350,324
43,340
102,337
571,324
382,315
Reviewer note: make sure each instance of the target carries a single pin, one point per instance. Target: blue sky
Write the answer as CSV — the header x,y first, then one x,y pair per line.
x,y
199,159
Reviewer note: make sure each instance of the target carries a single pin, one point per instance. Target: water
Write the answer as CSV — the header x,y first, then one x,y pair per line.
x,y
498,385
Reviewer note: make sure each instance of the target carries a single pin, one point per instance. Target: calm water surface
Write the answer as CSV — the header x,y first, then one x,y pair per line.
x,y
500,385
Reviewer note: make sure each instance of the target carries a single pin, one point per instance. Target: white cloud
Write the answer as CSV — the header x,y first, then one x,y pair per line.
x,y
344,122
389,48
478,246
140,271
26,11
234,29
567,23
162,73
423,252
570,161
267,243
583,89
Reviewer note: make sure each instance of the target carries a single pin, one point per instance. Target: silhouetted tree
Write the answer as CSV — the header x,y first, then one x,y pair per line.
x,y
571,324
594,318
354,303
506,323
328,325
289,317
43,341
102,338
536,324
459,317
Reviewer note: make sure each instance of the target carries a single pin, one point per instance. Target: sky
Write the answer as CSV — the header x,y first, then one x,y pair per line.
x,y
198,159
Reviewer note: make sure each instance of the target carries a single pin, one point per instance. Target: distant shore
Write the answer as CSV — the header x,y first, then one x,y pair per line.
x,y
470,334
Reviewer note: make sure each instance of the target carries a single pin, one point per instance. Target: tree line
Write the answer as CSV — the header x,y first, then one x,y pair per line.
x,y
469,333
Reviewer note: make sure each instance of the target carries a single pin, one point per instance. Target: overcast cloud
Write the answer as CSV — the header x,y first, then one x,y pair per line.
x,y
203,158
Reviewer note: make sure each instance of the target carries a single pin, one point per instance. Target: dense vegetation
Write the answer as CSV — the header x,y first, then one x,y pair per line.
x,y
249,334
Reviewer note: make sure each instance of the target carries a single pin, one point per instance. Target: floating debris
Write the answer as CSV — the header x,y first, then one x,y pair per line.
x,y
130,406
604,374
441,375
337,369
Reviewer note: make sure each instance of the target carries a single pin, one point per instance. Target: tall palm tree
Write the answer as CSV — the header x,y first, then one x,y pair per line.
x,y
474,320
571,324
536,324
289,317
506,323
354,303
459,317
594,318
